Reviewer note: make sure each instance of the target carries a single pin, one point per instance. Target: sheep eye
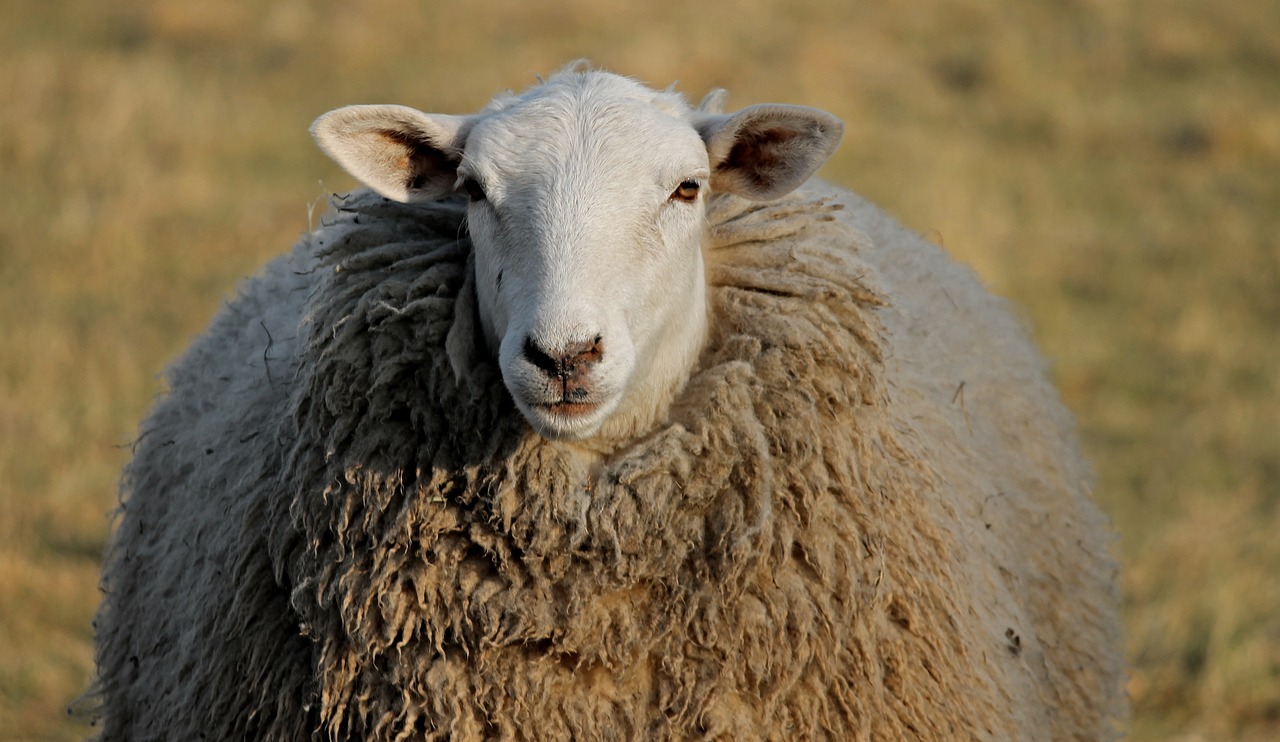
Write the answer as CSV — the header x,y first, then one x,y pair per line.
x,y
473,189
687,191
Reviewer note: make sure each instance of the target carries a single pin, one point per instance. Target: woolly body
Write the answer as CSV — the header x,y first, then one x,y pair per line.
x,y
864,516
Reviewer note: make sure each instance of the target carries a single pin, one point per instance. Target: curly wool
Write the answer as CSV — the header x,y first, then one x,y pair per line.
x,y
338,527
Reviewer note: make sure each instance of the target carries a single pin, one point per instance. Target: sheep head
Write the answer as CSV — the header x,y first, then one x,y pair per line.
x,y
587,207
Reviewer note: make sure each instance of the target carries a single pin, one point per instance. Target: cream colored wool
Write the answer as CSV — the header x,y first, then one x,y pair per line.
x,y
864,518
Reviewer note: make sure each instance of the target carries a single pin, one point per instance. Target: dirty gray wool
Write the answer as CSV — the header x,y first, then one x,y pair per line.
x,y
337,527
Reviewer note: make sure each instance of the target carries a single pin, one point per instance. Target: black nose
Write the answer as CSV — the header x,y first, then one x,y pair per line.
x,y
568,362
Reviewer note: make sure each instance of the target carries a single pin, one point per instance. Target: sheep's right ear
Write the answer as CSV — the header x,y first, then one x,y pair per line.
x,y
402,153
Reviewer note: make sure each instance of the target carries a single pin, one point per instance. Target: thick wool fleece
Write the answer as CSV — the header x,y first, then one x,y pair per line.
x,y
864,518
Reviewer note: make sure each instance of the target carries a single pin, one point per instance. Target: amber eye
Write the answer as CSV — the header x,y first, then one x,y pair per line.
x,y
473,190
686,191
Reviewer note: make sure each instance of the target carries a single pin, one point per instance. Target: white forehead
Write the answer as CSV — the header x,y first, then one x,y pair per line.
x,y
582,123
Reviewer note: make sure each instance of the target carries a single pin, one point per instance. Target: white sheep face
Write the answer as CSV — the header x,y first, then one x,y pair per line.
x,y
587,202
588,264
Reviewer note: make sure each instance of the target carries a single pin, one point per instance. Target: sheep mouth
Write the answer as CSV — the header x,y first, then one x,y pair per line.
x,y
560,409
568,400
570,409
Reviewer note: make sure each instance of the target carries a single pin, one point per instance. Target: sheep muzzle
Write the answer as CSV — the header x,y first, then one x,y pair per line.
x,y
569,372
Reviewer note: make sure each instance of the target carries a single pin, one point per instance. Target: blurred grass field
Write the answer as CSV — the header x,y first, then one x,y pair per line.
x,y
1113,167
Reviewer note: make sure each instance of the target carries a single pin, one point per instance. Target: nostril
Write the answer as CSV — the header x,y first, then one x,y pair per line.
x,y
575,357
586,353
579,357
538,357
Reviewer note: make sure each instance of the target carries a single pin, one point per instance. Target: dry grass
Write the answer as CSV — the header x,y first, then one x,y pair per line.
x,y
1110,166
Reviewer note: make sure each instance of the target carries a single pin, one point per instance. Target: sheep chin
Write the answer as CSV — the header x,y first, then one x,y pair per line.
x,y
566,422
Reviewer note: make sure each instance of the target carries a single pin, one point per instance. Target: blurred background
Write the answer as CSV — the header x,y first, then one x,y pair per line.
x,y
1113,167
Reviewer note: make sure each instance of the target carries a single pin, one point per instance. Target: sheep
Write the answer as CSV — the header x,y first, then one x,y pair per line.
x,y
595,417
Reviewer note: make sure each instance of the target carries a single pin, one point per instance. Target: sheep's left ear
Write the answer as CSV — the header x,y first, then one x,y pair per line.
x,y
765,152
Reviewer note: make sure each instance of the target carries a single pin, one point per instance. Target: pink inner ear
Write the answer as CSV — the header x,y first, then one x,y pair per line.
x,y
417,162
755,154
